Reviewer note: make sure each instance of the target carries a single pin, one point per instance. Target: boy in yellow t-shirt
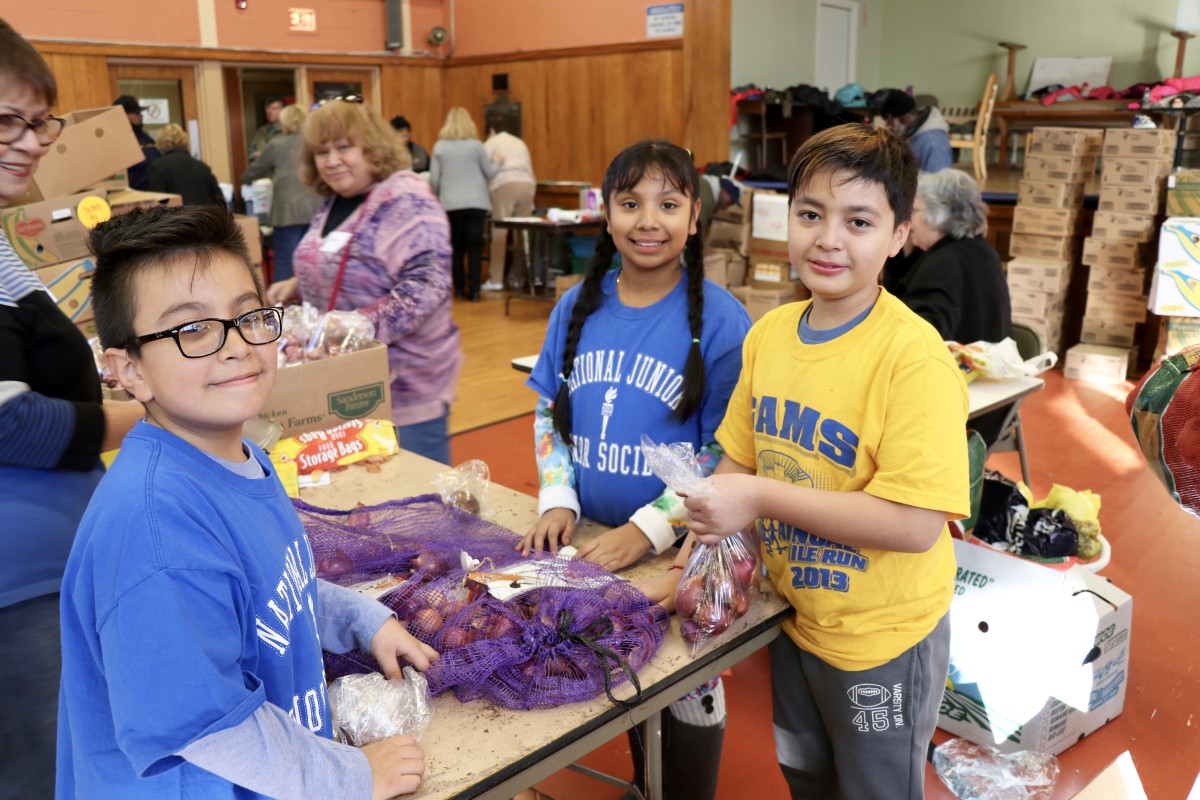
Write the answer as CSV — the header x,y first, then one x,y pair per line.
x,y
853,410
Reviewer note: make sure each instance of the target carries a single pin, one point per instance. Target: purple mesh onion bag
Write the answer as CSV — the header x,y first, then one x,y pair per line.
x,y
400,537
577,633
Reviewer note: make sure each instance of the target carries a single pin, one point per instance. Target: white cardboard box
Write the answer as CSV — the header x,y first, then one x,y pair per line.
x,y
1038,658
1175,290
1114,333
1098,363
1037,275
1036,304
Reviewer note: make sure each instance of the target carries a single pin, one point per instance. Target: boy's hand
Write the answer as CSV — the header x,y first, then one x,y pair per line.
x,y
397,766
733,506
617,548
661,588
392,642
555,527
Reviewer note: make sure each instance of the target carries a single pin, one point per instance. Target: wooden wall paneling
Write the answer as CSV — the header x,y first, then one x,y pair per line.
x,y
414,91
706,70
83,81
239,143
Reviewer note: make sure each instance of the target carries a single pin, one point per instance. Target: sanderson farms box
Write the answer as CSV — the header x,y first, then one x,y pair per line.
x,y
1038,658
317,395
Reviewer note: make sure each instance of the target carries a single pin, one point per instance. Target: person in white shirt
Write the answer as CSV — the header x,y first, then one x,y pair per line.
x,y
512,195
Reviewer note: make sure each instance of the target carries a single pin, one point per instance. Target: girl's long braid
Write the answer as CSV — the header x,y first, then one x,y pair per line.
x,y
693,371
585,304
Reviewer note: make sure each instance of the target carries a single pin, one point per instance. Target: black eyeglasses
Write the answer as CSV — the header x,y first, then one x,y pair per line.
x,y
203,337
13,127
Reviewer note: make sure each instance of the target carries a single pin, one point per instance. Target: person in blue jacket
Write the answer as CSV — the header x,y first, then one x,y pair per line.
x,y
192,616
53,427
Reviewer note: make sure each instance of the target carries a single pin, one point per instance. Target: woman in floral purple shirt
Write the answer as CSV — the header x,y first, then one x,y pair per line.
x,y
382,222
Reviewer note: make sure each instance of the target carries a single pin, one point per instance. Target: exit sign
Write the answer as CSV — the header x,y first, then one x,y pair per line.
x,y
302,20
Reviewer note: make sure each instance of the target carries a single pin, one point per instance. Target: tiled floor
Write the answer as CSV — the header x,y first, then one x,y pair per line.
x,y
1077,435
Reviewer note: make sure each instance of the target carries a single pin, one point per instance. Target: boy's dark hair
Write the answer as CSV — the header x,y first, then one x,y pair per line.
x,y
868,154
624,173
125,245
21,64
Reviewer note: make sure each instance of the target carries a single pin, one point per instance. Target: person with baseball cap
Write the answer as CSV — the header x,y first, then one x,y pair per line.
x,y
139,174
925,129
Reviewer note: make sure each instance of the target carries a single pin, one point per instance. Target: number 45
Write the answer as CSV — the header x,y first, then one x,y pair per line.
x,y
878,720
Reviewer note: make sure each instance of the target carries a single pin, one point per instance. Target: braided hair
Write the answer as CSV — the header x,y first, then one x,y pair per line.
x,y
624,173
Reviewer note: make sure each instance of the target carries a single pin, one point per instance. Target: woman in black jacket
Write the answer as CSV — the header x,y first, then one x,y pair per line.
x,y
177,172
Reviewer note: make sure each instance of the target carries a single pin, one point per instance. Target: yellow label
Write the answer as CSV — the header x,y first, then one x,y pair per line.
x,y
91,211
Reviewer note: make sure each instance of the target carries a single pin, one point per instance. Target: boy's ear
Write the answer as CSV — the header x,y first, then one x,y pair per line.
x,y
899,237
128,370
693,228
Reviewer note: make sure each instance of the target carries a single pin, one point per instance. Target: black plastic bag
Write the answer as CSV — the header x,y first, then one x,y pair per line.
x,y
1006,520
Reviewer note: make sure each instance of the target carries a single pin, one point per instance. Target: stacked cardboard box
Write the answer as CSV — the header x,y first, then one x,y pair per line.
x,y
1177,267
1134,165
768,272
1046,226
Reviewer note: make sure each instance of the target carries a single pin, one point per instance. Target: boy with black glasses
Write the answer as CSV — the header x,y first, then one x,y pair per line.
x,y
192,617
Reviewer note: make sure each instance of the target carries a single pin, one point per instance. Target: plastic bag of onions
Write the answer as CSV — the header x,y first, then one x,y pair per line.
x,y
571,632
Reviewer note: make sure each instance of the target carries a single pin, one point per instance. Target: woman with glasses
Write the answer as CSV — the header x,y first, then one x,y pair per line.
x,y
53,427
380,245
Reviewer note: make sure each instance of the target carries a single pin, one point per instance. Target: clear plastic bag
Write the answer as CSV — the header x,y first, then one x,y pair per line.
x,y
339,332
719,582
978,772
299,322
998,360
465,486
367,708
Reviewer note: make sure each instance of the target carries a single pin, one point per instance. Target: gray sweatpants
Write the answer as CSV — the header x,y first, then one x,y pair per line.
x,y
857,735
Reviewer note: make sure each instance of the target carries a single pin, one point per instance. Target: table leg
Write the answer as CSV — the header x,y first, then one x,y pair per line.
x,y
1002,129
652,741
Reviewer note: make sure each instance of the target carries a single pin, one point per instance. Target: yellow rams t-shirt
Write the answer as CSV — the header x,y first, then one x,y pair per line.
x,y
880,409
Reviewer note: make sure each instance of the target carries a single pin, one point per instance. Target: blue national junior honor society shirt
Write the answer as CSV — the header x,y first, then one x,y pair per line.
x,y
189,600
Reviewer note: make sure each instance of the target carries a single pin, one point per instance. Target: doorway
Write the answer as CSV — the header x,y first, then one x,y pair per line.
x,y
247,91
837,43
168,92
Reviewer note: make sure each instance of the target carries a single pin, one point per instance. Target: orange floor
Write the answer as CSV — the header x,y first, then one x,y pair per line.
x,y
1076,435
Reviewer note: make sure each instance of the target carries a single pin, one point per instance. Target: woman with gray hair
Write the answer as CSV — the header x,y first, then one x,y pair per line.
x,y
957,284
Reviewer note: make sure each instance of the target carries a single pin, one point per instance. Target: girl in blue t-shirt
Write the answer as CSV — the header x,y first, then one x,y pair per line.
x,y
646,347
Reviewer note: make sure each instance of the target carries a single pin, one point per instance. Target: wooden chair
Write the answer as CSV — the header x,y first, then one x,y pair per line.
x,y
977,142
756,112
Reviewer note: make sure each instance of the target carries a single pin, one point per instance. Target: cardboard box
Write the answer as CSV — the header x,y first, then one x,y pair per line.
x,y
1059,168
1155,143
1035,275
769,274
1133,172
1117,307
1175,289
1049,328
724,267
1047,248
1143,200
1075,142
1036,304
1118,781
71,284
760,301
253,234
1174,334
1038,658
317,395
125,201
768,228
1050,194
1183,194
95,144
1098,363
53,231
1116,254
1117,281
727,235
1113,333
1045,221
1128,227
113,183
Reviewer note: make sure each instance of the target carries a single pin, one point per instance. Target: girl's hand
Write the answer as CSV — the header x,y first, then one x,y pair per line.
x,y
392,642
555,526
661,588
397,766
618,548
733,506
283,292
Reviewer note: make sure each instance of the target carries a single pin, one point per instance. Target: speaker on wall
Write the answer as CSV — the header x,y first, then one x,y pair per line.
x,y
395,25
